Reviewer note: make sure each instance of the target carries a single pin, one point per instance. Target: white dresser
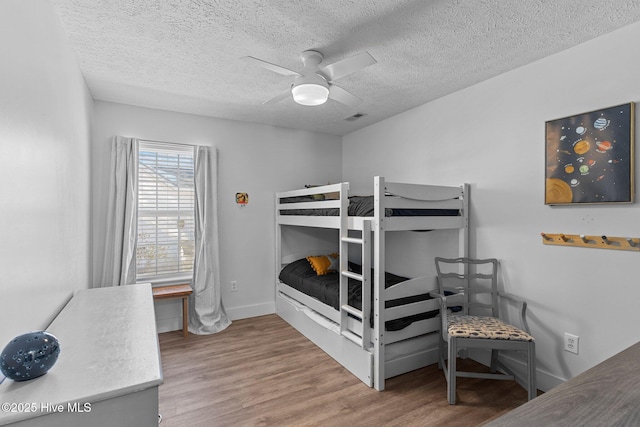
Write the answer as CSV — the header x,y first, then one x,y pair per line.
x,y
108,371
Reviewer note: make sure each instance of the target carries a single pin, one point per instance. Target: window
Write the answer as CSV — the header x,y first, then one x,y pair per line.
x,y
165,246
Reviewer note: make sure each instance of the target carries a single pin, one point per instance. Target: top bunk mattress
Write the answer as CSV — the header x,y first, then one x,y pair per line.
x,y
362,206
326,288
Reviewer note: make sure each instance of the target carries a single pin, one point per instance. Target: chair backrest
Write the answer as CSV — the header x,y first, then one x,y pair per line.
x,y
476,279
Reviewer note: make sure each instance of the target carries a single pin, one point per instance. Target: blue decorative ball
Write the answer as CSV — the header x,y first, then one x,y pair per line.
x,y
29,356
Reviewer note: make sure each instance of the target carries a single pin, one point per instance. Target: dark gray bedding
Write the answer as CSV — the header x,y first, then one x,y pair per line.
x,y
299,275
361,206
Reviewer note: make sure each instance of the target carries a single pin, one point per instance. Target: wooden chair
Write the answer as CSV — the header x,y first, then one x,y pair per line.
x,y
469,300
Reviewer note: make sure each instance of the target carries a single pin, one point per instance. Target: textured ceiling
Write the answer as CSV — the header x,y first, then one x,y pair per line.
x,y
184,55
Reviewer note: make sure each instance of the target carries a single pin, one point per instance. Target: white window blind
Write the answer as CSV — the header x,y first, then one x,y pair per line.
x,y
165,246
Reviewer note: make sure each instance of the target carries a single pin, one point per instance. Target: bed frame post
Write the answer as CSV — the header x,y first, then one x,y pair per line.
x,y
278,254
378,283
464,231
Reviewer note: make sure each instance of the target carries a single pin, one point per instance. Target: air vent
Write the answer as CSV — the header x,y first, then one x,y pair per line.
x,y
355,117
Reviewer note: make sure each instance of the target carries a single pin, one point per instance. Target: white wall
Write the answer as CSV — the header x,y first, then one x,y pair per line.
x,y
45,111
492,135
256,159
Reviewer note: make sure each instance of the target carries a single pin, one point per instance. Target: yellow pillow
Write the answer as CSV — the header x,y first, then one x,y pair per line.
x,y
324,264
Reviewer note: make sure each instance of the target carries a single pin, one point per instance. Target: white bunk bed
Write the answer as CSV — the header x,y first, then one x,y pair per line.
x,y
348,334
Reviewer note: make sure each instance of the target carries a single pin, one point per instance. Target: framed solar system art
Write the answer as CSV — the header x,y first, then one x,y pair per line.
x,y
590,157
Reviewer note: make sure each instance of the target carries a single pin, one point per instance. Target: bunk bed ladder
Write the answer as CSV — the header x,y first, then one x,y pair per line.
x,y
361,338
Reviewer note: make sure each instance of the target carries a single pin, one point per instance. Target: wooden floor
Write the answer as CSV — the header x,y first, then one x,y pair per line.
x,y
262,372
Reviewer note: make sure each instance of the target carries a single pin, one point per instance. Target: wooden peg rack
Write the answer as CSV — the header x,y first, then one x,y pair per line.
x,y
598,242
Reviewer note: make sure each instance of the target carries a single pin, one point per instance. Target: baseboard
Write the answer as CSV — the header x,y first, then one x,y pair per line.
x,y
247,311
168,325
545,381
169,314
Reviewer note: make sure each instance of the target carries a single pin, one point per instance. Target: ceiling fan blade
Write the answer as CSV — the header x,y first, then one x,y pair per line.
x,y
342,96
346,66
278,98
269,66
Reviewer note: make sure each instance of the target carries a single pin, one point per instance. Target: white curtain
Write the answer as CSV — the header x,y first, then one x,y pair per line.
x,y
119,267
206,313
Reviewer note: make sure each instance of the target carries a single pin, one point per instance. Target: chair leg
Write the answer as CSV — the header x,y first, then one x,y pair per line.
x,y
441,364
531,375
493,367
451,371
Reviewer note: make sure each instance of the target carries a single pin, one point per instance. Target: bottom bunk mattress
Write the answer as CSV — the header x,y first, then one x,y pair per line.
x,y
301,276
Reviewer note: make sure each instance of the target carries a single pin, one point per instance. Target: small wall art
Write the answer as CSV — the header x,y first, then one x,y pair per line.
x,y
590,157
242,199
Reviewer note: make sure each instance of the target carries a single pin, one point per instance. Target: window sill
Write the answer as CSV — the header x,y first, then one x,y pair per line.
x,y
165,281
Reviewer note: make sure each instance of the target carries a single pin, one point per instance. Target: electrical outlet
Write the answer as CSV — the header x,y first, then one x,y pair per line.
x,y
234,286
571,343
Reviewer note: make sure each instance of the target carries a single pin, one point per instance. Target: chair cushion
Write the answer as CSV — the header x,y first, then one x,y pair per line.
x,y
460,326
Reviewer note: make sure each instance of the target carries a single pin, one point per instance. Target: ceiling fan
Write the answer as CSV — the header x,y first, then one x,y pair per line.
x,y
313,84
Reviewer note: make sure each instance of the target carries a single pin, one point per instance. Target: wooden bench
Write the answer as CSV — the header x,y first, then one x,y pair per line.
x,y
173,292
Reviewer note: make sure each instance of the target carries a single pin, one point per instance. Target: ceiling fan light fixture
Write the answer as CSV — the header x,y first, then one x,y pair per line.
x,y
310,94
